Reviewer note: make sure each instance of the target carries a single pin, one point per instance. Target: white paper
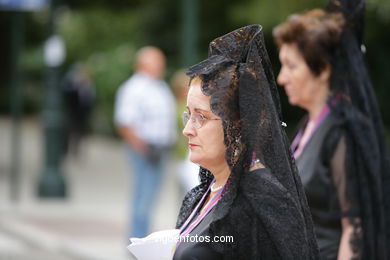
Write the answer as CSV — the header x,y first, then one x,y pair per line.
x,y
156,246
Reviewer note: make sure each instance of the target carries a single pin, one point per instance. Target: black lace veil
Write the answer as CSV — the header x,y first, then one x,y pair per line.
x,y
372,176
238,78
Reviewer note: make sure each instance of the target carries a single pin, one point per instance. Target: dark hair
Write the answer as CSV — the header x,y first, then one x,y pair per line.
x,y
316,34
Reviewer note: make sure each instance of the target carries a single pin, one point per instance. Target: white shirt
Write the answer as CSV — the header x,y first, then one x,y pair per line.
x,y
147,106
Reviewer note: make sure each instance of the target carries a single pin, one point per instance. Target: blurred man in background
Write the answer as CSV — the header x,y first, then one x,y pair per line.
x,y
145,118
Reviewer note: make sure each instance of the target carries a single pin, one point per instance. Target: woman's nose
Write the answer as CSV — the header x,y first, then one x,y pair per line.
x,y
282,79
188,129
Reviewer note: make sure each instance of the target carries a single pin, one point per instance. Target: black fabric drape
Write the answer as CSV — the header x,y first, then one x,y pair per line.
x,y
364,126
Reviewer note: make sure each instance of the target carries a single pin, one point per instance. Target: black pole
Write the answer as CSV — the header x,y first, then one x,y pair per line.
x,y
189,42
16,105
52,183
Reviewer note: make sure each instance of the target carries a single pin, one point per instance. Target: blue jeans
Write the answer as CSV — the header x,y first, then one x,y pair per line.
x,y
146,184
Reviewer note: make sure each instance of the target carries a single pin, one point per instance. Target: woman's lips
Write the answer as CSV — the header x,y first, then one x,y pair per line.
x,y
192,145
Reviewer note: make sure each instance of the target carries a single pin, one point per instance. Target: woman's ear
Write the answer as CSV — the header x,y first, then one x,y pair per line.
x,y
325,73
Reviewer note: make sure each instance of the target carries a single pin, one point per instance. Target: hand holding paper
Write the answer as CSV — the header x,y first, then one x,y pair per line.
x,y
156,246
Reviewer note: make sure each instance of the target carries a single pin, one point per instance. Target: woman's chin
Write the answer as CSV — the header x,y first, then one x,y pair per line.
x,y
293,101
290,100
193,158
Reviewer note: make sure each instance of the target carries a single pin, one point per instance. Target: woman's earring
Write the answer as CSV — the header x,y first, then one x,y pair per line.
x,y
237,150
237,144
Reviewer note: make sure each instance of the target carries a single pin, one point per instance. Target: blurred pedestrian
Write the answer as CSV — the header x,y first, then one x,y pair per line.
x,y
339,147
79,99
145,118
250,203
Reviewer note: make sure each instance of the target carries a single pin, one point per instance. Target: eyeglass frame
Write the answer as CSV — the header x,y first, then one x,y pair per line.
x,y
186,117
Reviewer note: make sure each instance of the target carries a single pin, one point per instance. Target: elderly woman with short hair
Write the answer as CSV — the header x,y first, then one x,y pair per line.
x,y
339,145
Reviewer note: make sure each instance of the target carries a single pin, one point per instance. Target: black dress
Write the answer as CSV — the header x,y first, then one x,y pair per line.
x,y
342,182
197,246
262,225
325,181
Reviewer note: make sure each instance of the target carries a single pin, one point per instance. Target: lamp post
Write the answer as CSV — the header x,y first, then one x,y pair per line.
x,y
52,183
189,32
17,7
16,103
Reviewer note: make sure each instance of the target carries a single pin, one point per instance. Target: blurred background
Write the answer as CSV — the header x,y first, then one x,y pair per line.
x,y
64,190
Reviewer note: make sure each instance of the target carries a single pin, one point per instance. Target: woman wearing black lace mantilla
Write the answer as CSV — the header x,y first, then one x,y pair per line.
x,y
340,146
250,203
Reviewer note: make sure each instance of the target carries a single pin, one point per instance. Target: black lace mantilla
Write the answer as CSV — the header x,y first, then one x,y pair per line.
x,y
274,219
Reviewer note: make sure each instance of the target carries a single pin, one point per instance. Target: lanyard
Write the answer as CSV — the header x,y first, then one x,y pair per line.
x,y
295,147
184,231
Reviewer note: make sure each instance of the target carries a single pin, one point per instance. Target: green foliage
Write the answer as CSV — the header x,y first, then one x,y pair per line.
x,y
109,69
97,29
105,34
33,86
105,41
377,43
271,13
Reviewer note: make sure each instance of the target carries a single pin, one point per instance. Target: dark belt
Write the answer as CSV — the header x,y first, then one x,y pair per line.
x,y
156,153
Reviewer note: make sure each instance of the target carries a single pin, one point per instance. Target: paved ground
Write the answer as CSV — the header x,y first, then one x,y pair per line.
x,y
91,223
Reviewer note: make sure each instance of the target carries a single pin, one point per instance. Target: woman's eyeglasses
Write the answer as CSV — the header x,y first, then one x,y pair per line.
x,y
197,119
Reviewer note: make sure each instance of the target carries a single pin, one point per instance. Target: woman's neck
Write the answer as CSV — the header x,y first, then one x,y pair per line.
x,y
221,174
317,103
315,111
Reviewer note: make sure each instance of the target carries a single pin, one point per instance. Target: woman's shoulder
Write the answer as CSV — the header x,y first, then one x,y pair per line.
x,y
261,189
343,114
252,180
339,129
268,203
190,200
